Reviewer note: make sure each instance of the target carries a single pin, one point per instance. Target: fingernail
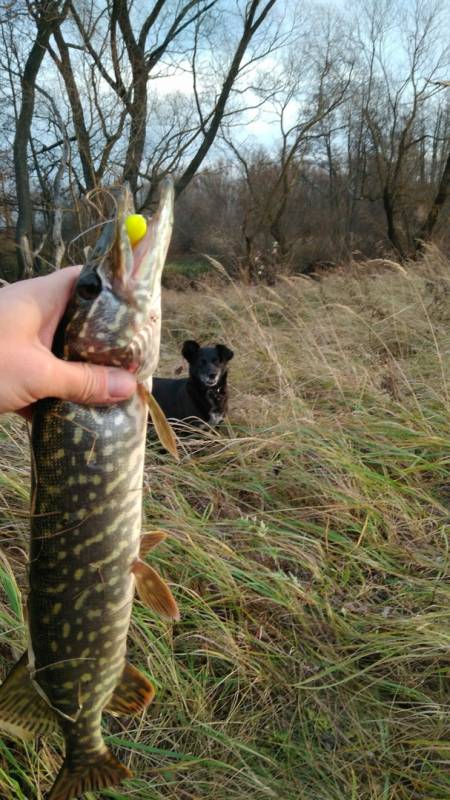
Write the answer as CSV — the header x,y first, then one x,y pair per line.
x,y
120,384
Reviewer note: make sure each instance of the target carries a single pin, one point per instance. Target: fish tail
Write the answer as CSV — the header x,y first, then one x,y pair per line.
x,y
76,779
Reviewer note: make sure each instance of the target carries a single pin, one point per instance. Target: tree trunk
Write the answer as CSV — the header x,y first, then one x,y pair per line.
x,y
51,14
392,229
426,231
138,113
251,25
84,146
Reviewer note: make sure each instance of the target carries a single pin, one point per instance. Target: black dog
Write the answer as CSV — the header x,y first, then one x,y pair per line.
x,y
203,396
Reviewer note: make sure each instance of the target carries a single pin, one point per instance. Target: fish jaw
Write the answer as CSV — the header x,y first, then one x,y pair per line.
x,y
149,259
120,325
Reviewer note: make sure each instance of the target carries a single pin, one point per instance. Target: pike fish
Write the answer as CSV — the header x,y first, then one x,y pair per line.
x,y
86,555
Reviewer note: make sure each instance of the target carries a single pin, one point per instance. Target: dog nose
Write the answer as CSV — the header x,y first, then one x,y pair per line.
x,y
211,376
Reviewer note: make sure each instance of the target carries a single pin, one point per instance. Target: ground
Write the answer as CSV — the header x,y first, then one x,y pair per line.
x,y
308,552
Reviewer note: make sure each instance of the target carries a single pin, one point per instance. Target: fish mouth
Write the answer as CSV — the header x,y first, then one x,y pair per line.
x,y
150,253
126,268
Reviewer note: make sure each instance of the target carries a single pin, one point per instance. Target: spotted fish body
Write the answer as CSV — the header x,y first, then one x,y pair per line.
x,y
86,519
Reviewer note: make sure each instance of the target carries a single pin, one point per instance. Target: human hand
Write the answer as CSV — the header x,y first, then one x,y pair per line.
x,y
29,315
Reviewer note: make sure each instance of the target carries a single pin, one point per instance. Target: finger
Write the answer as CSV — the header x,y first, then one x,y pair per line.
x,y
88,383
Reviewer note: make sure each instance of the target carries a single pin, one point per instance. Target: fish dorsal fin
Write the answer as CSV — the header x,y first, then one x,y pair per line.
x,y
153,591
163,429
23,712
150,540
133,693
98,772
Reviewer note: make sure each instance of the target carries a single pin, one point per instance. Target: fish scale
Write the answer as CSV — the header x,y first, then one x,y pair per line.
x,y
75,592
86,506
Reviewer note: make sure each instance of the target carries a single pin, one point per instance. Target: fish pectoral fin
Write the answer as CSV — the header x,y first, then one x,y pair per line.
x,y
163,428
133,693
150,540
153,591
76,778
23,712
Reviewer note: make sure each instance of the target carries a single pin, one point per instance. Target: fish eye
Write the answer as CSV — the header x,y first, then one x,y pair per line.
x,y
89,286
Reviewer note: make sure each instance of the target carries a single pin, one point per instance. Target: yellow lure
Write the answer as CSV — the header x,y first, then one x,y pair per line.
x,y
136,226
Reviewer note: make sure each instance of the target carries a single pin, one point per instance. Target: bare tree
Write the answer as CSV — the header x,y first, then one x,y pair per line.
x,y
107,55
48,16
395,99
52,181
255,13
358,143
126,45
311,84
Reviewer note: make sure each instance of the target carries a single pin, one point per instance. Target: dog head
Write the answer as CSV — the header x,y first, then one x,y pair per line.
x,y
206,364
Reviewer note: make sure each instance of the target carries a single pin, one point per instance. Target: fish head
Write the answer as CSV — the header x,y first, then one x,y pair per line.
x,y
114,316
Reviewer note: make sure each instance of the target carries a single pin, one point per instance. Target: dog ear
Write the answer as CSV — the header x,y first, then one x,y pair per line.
x,y
190,349
225,354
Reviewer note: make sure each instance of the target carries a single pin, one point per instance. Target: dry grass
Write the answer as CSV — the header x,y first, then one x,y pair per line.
x,y
309,554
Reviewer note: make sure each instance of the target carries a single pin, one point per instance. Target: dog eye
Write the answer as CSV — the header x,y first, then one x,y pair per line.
x,y
89,286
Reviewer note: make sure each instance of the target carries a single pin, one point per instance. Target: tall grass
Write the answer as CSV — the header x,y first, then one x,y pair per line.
x,y
308,550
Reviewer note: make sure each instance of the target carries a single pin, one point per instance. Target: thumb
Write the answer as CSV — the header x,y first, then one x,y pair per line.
x,y
91,384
